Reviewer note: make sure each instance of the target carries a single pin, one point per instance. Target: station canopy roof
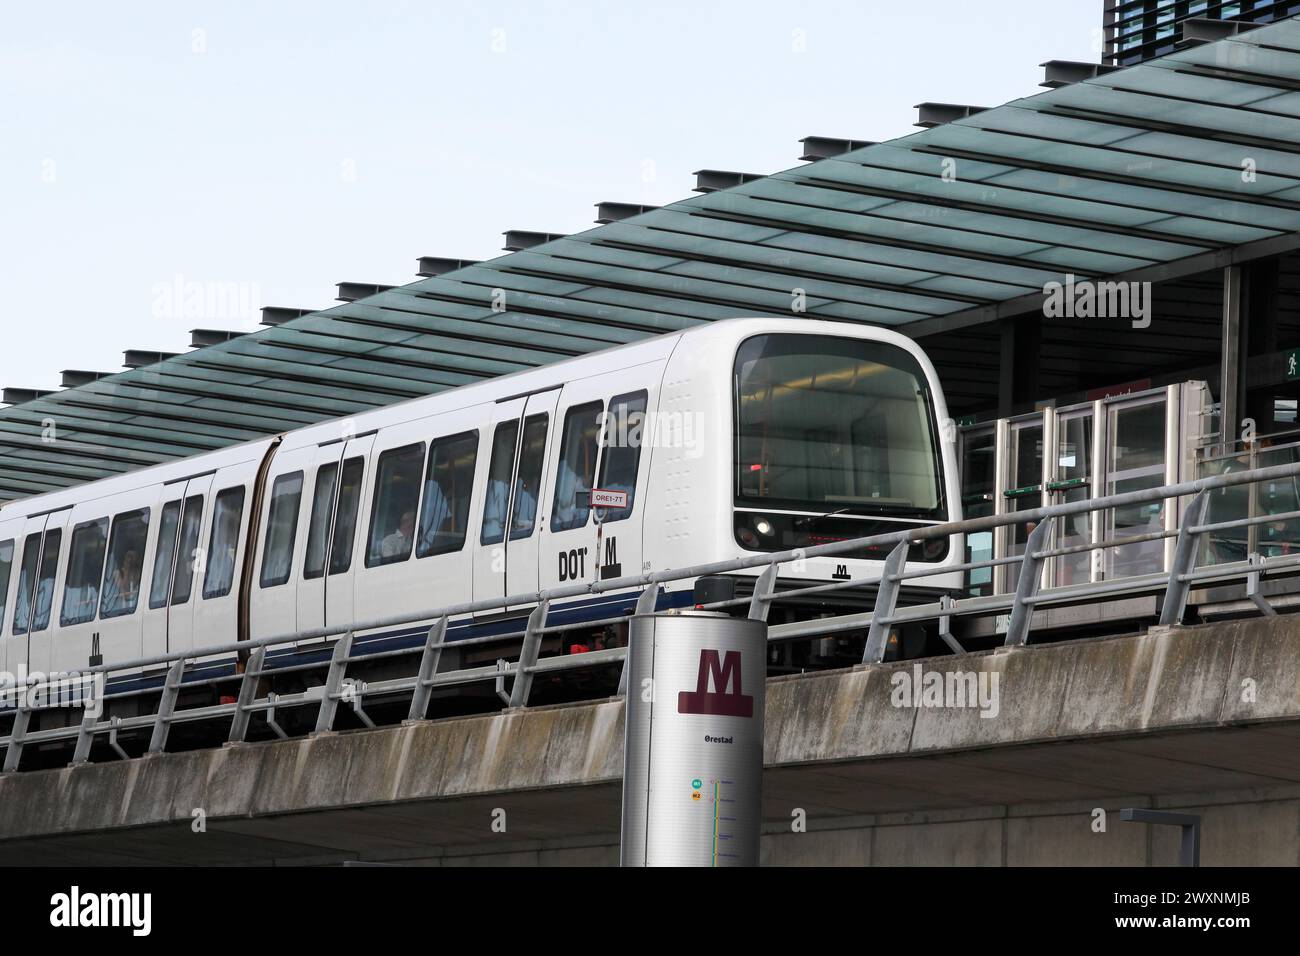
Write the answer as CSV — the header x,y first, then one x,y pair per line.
x,y
1168,168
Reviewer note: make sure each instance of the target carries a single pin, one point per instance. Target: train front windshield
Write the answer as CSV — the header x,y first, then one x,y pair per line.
x,y
835,426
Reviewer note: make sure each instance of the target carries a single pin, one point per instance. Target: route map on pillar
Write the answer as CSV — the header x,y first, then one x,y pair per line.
x,y
720,805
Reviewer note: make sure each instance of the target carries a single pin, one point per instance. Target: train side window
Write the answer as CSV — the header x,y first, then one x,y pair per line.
x,y
318,526
532,455
281,529
578,449
624,435
85,571
188,558
345,521
397,495
223,542
6,567
26,577
164,554
500,468
121,591
448,481
45,580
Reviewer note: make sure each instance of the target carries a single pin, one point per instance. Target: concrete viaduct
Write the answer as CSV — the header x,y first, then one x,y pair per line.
x,y
1203,718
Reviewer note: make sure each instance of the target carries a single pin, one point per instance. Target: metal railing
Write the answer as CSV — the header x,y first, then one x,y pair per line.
x,y
185,669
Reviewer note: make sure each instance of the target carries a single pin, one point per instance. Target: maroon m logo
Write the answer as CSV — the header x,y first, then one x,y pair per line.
x,y
725,701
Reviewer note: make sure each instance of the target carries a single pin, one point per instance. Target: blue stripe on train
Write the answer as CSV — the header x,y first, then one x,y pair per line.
x,y
411,637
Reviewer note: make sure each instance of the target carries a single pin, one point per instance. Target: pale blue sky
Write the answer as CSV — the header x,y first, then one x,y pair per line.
x,y
288,146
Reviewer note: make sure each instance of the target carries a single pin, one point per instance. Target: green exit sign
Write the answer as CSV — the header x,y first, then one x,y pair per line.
x,y
1292,364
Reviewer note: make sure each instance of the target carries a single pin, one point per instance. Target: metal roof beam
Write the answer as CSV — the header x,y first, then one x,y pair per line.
x,y
430,266
1200,30
278,315
520,239
351,291
75,377
1058,73
712,180
139,358
202,338
607,212
929,115
17,396
826,147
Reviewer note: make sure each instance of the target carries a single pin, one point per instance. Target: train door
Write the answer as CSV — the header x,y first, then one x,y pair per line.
x,y
273,603
344,553
501,447
162,569
42,540
222,552
528,508
322,494
505,558
179,561
333,507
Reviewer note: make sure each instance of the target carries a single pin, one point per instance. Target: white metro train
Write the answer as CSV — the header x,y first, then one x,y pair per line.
x,y
735,437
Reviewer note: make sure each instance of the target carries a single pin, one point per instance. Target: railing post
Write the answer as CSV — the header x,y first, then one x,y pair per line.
x,y
353,691
113,724
85,737
166,705
886,599
428,667
645,604
1184,562
528,655
760,602
1252,587
247,693
329,702
1031,569
503,668
15,751
945,625
271,722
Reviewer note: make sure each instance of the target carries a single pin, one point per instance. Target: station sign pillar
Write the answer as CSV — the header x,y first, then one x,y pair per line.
x,y
693,758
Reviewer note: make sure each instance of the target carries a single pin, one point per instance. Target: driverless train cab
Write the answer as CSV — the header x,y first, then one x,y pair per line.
x,y
729,439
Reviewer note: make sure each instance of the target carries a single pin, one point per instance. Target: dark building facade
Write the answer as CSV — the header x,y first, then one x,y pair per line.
x,y
1136,30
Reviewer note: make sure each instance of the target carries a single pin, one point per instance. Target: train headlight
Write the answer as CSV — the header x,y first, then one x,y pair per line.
x,y
764,527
